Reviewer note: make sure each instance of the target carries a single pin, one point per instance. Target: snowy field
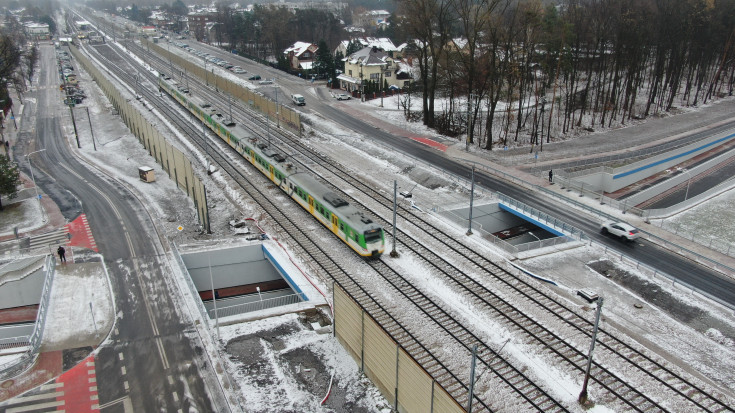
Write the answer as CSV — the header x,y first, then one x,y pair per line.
x,y
299,362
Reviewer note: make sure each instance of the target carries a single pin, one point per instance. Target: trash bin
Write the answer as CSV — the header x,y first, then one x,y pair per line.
x,y
146,174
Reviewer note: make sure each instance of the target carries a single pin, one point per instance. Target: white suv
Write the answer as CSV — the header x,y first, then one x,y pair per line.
x,y
621,229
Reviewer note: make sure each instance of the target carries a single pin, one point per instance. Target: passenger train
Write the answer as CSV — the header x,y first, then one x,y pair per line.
x,y
352,226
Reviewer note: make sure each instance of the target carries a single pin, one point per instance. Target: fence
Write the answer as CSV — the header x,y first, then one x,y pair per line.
x,y
623,205
276,112
394,372
190,284
258,305
542,217
654,273
34,342
712,263
14,342
711,242
173,161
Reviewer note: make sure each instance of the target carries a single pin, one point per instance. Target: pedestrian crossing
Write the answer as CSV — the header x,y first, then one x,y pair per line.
x,y
74,391
47,398
52,238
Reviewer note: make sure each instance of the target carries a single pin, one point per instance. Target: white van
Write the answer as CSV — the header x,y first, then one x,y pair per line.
x,y
298,100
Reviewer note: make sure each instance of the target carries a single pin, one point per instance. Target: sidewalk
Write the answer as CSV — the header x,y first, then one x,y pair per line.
x,y
679,245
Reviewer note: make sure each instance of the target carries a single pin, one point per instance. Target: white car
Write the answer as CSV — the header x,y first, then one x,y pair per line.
x,y
342,96
621,230
238,70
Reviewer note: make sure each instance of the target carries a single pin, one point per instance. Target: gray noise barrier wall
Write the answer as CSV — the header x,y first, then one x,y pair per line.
x,y
173,161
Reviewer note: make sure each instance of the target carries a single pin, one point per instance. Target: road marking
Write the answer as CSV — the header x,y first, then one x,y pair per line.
x,y
35,407
25,399
120,356
113,402
125,384
123,370
170,380
176,396
149,313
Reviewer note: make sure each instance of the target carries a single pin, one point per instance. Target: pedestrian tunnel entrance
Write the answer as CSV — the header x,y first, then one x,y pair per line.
x,y
244,279
513,226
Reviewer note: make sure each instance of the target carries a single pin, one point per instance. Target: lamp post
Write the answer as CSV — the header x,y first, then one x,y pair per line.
x,y
537,238
362,85
278,117
382,92
689,174
30,166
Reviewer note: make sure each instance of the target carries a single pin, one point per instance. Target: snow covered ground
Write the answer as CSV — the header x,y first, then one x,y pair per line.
x,y
288,371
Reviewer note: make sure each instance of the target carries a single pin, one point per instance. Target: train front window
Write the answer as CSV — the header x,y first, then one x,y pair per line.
x,y
372,235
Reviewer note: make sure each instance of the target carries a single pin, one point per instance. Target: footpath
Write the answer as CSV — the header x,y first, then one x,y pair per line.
x,y
663,129
77,320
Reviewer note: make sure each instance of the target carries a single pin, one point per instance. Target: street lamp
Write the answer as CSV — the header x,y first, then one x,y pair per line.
x,y
534,235
30,166
689,174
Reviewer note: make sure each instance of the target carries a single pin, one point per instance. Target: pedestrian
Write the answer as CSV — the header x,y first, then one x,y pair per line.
x,y
62,253
551,176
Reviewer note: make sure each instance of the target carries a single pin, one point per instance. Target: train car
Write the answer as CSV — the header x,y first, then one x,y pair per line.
x,y
353,226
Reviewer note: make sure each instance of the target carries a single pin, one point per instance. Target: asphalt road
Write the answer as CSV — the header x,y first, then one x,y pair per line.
x,y
153,358
679,268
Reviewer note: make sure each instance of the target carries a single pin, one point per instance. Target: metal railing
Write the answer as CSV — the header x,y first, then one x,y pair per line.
x,y
34,342
561,226
711,242
192,288
710,262
538,244
654,272
258,305
13,342
624,205
665,212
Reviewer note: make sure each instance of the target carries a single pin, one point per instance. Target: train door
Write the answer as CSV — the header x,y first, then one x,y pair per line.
x,y
271,173
311,205
335,224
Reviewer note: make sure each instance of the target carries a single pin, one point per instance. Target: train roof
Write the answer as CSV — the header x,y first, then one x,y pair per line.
x,y
357,219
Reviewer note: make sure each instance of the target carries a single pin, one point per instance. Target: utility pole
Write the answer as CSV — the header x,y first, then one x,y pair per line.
x,y
472,198
394,253
583,393
278,117
472,379
90,128
73,122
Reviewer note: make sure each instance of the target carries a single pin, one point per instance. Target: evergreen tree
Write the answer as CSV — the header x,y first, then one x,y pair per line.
x,y
9,179
324,62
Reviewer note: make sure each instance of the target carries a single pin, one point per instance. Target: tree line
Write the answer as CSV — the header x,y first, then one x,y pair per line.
x,y
17,63
522,71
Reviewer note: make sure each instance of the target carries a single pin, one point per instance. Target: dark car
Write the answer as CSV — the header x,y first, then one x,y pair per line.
x,y
254,77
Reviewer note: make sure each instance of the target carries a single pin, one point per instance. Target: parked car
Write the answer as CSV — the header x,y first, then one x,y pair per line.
x,y
342,96
254,77
266,82
240,70
621,230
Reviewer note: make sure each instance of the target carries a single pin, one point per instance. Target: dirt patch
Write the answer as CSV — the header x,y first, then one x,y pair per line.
x,y
652,293
272,363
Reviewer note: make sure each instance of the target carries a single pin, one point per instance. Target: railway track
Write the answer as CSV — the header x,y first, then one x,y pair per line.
x,y
534,331
444,376
573,354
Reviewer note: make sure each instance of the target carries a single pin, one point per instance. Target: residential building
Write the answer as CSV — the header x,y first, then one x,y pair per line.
x,y
37,31
301,55
381,43
370,18
367,64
